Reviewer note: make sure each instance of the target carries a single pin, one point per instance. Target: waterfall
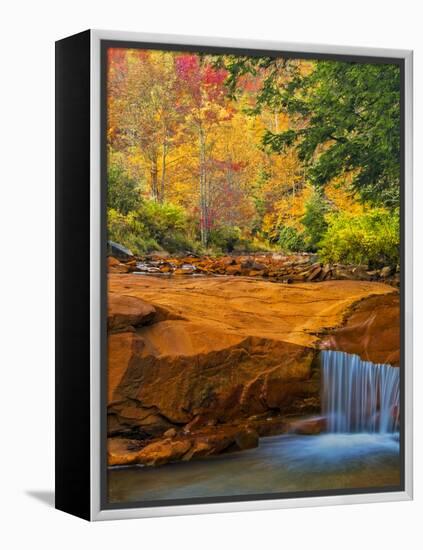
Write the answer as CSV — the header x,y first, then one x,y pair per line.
x,y
359,396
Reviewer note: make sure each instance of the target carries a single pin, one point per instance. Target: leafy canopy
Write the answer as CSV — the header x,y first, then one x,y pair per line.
x,y
345,118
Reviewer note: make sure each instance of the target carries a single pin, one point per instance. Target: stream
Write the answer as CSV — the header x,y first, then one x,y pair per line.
x,y
360,450
284,463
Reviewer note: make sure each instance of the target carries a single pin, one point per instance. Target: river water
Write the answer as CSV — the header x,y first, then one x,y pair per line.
x,y
361,449
284,463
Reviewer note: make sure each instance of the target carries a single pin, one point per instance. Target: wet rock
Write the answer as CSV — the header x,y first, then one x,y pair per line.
x,y
314,272
121,451
121,348
247,439
251,265
180,271
115,266
326,273
206,442
163,452
270,426
153,454
294,268
197,422
188,267
119,251
341,273
309,426
371,330
199,449
385,272
360,273
233,270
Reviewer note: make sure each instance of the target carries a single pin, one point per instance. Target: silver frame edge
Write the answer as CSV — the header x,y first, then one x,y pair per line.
x,y
95,276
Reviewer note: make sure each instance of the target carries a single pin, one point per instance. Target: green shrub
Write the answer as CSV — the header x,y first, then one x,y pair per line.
x,y
291,240
225,238
153,226
371,238
254,245
123,192
179,242
130,232
162,219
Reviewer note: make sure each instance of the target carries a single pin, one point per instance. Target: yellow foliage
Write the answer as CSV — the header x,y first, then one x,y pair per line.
x,y
288,211
342,197
188,148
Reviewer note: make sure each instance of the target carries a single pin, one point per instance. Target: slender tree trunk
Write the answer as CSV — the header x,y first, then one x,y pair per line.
x,y
153,175
163,178
203,189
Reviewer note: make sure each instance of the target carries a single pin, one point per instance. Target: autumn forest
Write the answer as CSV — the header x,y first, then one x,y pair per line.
x,y
216,154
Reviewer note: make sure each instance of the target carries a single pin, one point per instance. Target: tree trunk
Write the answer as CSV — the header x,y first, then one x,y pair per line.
x,y
153,176
163,178
203,190
276,118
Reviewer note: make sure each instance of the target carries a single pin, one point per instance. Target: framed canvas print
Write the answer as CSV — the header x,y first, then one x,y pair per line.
x,y
233,280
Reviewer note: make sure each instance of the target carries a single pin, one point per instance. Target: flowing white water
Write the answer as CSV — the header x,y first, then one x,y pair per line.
x,y
359,396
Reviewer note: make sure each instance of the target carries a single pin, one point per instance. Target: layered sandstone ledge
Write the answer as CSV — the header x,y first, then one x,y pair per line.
x,y
371,329
203,365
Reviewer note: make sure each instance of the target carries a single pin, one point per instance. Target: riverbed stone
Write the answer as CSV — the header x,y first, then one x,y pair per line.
x,y
125,311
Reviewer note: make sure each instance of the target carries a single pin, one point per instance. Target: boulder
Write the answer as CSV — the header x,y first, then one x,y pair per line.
x,y
206,442
190,374
153,454
233,270
309,426
269,425
198,449
114,266
251,265
315,271
119,251
326,273
360,273
125,311
247,439
162,452
120,351
371,329
385,272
